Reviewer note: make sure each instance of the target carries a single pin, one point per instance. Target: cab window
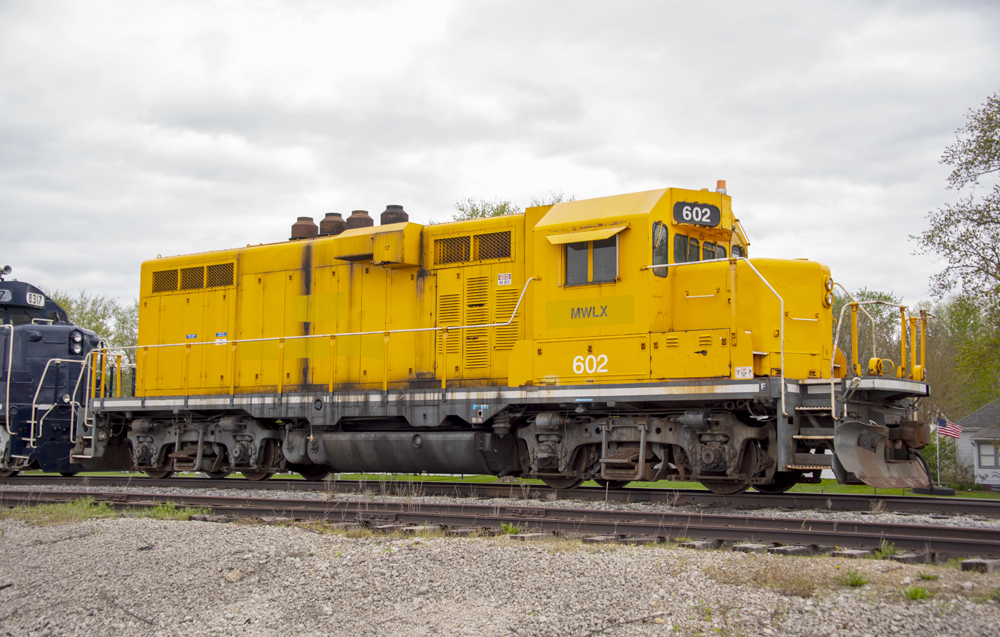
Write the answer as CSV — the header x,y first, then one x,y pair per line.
x,y
659,235
711,250
693,251
18,317
592,261
738,252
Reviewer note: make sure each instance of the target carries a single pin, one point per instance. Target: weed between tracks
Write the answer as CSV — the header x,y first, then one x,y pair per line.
x,y
87,509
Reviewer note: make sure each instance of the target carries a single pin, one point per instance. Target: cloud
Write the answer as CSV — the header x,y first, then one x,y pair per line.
x,y
128,131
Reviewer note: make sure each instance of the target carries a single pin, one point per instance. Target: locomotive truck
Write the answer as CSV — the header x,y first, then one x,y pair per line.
x,y
618,339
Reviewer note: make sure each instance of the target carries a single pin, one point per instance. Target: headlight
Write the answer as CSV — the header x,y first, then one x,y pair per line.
x,y
828,299
828,284
66,398
77,337
76,348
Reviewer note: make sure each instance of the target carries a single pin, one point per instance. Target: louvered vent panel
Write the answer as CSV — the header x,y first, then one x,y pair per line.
x,y
164,281
219,275
673,341
705,340
477,312
451,250
507,335
477,291
192,278
450,313
493,245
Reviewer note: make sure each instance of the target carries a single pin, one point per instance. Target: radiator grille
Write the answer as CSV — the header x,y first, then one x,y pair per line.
x,y
164,281
192,278
477,312
219,275
451,250
507,335
672,341
449,313
705,340
493,245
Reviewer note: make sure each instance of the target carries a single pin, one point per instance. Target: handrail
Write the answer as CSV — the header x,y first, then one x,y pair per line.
x,y
10,361
870,318
781,306
836,340
234,342
55,399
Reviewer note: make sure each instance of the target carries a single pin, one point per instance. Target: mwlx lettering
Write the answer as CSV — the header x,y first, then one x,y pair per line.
x,y
588,312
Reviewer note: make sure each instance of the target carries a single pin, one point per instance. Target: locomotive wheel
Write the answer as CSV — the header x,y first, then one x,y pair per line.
x,y
611,484
217,475
563,483
725,488
783,481
159,475
9,474
748,462
256,476
314,473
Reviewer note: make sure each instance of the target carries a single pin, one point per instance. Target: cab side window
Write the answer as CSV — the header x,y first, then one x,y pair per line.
x,y
19,317
708,250
693,251
738,252
592,261
659,236
680,248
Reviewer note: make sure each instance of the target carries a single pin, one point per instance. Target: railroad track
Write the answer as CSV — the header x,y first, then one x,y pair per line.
x,y
926,539
930,505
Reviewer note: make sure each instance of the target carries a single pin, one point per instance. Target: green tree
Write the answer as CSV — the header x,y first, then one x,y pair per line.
x,y
963,357
966,235
115,322
473,208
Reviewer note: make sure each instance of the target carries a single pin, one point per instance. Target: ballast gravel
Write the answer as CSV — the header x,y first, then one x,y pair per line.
x,y
376,492
127,576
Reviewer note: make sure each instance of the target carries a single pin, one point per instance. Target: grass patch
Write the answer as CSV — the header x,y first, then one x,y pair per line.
x,y
916,592
930,577
995,594
87,509
62,513
166,511
855,579
509,529
787,581
887,549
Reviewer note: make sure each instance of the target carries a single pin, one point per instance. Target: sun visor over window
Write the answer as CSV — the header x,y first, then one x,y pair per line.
x,y
584,235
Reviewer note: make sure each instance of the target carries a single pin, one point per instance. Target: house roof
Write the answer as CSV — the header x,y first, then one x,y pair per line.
x,y
983,418
989,434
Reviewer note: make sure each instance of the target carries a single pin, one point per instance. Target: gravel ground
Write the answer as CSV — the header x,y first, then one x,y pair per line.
x,y
129,576
374,494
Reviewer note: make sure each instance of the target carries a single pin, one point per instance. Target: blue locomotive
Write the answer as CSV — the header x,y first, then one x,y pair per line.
x,y
46,376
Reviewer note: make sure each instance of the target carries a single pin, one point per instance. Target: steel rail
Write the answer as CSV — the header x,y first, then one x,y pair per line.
x,y
733,528
929,505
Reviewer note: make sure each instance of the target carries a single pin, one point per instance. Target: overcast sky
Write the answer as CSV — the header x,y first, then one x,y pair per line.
x,y
130,129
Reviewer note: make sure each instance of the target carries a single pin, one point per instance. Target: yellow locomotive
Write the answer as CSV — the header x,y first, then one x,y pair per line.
x,y
620,338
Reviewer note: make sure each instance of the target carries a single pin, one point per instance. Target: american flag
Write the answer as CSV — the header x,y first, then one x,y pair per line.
x,y
947,428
